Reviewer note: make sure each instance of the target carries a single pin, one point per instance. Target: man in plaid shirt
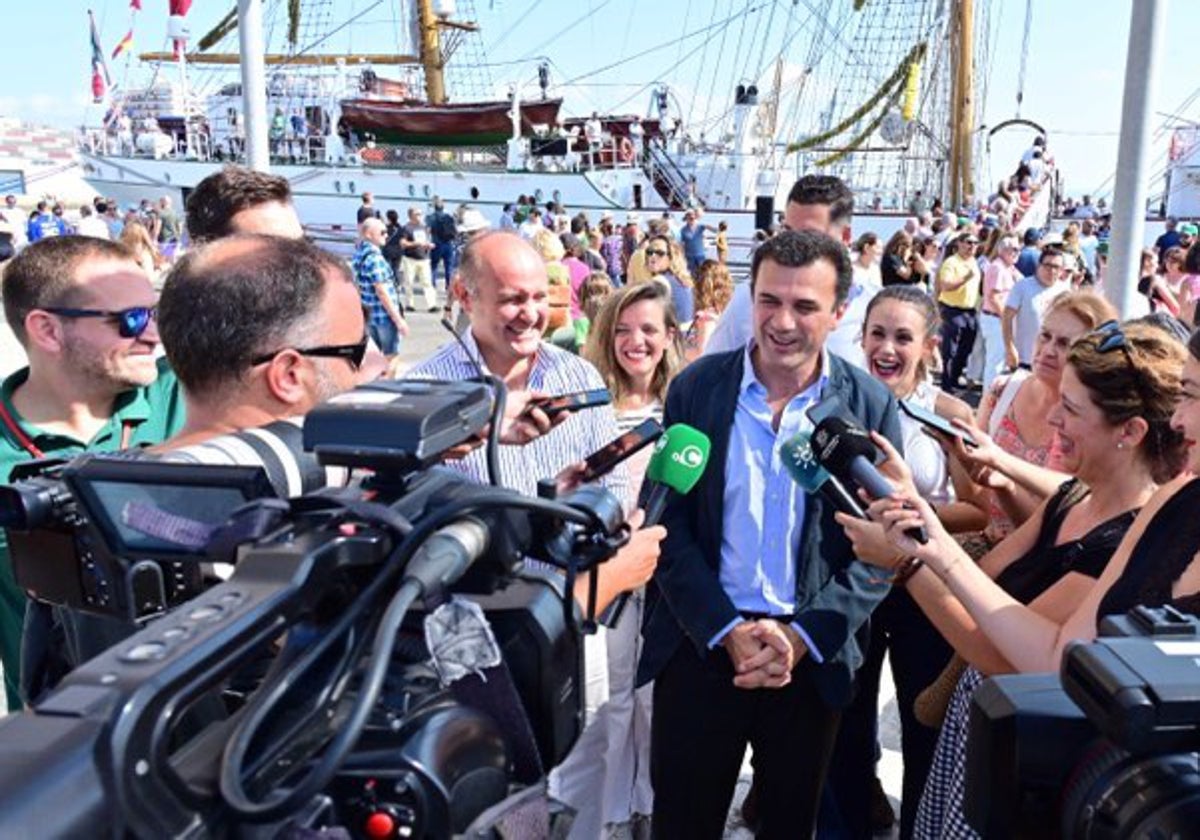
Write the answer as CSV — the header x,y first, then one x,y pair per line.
x,y
377,288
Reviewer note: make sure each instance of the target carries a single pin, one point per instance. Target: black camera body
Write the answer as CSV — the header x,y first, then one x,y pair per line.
x,y
344,716
1105,749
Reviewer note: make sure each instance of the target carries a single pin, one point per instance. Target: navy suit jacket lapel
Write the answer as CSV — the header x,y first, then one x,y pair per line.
x,y
722,399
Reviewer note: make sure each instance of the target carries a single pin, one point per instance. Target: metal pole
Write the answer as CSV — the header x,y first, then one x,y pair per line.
x,y
254,84
1146,23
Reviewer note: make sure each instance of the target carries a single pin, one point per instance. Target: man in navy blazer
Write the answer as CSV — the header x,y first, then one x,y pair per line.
x,y
752,615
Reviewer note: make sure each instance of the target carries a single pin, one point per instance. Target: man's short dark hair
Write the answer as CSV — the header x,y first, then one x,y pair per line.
x,y
226,303
1048,252
216,199
1032,235
43,275
824,189
800,248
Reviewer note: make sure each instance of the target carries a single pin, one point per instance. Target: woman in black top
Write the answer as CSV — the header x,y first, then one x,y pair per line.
x,y
1132,378
895,267
1113,423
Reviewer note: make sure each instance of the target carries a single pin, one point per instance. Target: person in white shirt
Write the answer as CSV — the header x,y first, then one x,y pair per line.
x,y
1027,303
593,131
820,203
90,224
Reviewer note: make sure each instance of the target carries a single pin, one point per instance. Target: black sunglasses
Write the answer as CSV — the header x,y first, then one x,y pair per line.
x,y
352,353
655,253
131,322
1109,337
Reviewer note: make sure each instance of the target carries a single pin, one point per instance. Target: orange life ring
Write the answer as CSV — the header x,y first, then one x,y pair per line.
x,y
625,150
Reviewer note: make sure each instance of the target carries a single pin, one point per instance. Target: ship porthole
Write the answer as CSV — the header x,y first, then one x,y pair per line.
x,y
557,196
425,190
474,192
352,188
537,196
337,185
167,177
412,190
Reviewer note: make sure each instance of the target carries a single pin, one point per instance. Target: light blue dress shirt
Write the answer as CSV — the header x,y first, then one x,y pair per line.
x,y
764,506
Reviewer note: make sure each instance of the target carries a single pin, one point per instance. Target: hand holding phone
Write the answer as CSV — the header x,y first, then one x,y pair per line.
x,y
936,422
603,460
573,402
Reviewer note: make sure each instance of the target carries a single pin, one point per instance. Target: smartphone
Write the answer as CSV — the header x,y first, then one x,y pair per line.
x,y
935,421
573,402
602,461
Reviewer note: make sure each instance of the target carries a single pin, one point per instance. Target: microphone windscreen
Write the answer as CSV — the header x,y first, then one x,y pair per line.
x,y
679,458
801,463
836,444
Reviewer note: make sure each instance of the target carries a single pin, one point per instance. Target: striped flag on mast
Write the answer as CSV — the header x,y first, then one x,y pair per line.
x,y
123,45
101,80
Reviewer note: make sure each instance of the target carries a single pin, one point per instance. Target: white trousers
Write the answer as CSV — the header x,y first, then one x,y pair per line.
x,y
418,278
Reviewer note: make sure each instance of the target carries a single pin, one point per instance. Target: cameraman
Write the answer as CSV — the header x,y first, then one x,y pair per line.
x,y
83,311
260,329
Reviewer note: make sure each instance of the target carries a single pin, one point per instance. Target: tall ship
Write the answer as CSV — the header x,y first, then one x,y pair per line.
x,y
883,93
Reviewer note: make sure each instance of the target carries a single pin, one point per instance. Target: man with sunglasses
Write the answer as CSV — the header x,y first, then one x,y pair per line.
x,y
260,329
85,314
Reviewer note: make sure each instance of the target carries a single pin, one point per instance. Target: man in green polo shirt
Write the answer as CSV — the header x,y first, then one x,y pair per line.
x,y
84,312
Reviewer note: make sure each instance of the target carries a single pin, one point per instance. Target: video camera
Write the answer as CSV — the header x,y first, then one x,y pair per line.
x,y
1108,746
408,677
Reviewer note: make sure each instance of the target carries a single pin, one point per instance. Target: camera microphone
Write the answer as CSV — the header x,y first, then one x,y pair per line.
x,y
679,459
801,464
847,451
446,555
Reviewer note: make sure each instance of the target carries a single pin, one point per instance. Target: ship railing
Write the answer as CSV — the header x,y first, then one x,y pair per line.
x,y
672,184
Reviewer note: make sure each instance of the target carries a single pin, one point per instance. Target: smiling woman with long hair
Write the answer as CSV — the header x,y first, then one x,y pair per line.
x,y
635,344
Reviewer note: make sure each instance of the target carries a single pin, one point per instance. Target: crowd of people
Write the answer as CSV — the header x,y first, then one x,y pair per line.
x,y
757,614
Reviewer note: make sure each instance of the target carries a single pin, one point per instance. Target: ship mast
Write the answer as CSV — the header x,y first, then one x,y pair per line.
x,y
962,104
431,53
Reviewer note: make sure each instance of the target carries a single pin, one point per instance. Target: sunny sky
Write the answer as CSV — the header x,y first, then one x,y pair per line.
x,y
1074,74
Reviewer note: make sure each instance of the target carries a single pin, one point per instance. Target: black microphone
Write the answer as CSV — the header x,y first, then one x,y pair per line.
x,y
848,451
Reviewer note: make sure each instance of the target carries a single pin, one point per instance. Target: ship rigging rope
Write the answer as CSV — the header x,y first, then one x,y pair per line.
x,y
916,54
520,21
667,44
588,14
1025,37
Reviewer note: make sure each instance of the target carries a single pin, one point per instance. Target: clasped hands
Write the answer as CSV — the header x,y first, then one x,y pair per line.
x,y
764,652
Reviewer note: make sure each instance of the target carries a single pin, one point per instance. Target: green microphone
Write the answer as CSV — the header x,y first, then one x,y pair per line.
x,y
679,459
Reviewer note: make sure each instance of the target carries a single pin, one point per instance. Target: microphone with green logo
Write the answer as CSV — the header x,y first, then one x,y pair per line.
x,y
679,459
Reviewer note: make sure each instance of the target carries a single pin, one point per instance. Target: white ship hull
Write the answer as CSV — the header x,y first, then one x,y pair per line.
x,y
327,197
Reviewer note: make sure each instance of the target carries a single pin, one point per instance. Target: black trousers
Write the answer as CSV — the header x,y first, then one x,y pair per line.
x,y
702,724
918,654
959,327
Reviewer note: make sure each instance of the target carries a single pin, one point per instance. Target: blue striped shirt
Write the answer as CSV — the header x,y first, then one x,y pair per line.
x,y
554,372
